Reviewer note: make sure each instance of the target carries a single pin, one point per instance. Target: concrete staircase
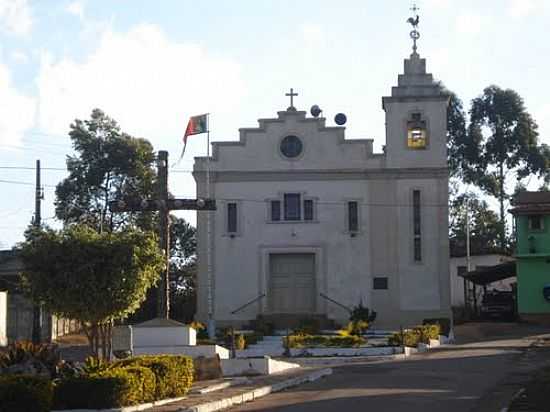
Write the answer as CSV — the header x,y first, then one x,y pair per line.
x,y
269,346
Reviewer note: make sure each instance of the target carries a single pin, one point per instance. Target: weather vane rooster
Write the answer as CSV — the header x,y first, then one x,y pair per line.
x,y
415,35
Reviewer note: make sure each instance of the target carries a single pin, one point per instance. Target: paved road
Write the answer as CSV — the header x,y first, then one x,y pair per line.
x,y
480,376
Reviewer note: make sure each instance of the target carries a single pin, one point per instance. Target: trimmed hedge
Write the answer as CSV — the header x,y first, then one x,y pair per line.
x,y
444,323
113,388
25,393
311,341
174,374
148,382
418,334
127,382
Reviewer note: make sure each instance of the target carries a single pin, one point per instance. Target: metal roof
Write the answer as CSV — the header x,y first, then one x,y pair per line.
x,y
491,274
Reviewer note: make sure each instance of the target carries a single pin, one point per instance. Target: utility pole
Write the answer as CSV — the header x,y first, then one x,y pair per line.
x,y
163,300
162,204
37,220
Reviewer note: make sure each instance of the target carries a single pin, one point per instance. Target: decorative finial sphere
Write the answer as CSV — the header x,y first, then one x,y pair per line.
x,y
340,119
315,110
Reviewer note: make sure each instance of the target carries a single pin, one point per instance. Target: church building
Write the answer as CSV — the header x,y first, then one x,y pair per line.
x,y
309,223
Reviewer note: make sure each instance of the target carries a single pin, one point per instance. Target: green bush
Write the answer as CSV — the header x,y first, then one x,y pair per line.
x,y
113,388
240,342
24,393
202,331
418,334
444,323
148,382
95,365
355,327
409,337
174,374
362,313
429,331
312,341
45,356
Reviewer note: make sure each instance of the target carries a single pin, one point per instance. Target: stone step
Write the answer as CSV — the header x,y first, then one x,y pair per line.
x,y
258,353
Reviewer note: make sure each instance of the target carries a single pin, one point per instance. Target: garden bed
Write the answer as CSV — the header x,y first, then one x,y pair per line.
x,y
34,379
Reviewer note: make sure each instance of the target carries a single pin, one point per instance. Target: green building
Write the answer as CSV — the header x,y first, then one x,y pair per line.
x,y
531,211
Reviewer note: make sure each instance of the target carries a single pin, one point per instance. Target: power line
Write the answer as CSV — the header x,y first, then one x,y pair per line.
x,y
18,182
32,168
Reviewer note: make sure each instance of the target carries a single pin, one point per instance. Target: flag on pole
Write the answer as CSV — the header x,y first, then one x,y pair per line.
x,y
196,125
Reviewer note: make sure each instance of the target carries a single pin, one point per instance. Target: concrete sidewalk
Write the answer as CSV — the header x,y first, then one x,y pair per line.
x,y
254,388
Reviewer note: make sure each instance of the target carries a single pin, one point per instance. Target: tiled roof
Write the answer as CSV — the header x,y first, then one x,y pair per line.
x,y
531,202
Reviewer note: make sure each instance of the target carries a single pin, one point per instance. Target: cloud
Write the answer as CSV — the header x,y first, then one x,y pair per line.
x,y
437,4
312,34
542,117
76,8
15,16
523,8
148,83
20,57
18,110
470,23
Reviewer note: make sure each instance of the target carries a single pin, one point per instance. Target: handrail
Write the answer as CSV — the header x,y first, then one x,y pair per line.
x,y
248,304
335,302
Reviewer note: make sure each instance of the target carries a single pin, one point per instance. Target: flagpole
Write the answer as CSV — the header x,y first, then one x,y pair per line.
x,y
211,323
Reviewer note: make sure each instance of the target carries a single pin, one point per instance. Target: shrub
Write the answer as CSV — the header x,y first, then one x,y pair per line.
x,y
409,337
174,374
113,388
311,341
44,357
444,323
412,337
25,393
362,313
240,342
95,365
202,331
147,379
429,331
355,328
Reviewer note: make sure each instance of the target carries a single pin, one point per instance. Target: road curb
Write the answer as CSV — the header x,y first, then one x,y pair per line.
x,y
516,395
256,393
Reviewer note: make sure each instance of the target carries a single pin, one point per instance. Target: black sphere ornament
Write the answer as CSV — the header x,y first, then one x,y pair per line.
x,y
340,119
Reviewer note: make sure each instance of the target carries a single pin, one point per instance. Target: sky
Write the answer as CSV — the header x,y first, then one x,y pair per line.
x,y
152,64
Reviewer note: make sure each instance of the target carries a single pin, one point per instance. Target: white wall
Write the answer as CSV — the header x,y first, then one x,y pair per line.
x,y
333,170
457,282
242,263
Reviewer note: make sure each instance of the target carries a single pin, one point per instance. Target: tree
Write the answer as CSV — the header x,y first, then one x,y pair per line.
x,y
183,270
109,165
456,135
484,226
502,143
92,277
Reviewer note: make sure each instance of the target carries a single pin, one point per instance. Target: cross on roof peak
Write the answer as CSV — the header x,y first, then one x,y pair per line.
x,y
291,95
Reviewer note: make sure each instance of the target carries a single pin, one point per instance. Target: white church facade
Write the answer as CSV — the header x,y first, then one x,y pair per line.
x,y
308,222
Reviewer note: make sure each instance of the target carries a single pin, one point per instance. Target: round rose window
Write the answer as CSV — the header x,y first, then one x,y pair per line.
x,y
291,146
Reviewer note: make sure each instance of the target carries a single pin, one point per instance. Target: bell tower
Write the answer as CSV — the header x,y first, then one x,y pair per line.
x,y
416,115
